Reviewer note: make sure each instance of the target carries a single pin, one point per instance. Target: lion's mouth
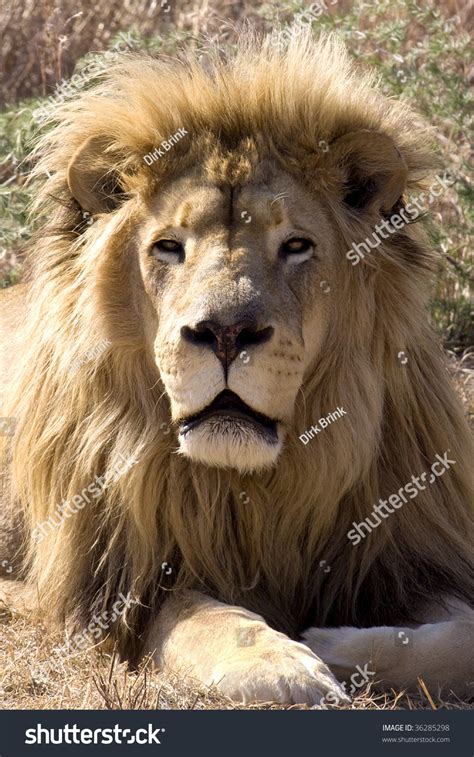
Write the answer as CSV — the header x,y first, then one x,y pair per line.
x,y
228,407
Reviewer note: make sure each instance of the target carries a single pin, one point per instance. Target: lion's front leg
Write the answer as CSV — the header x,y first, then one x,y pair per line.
x,y
439,653
238,652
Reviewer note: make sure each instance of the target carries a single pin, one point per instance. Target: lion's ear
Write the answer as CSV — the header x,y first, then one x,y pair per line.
x,y
374,171
90,179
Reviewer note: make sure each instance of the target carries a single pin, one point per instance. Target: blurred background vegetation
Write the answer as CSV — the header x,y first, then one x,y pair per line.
x,y
420,50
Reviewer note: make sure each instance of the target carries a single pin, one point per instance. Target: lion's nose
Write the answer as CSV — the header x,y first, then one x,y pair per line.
x,y
227,341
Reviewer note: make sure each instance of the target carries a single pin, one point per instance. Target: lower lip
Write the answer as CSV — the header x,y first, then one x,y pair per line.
x,y
232,416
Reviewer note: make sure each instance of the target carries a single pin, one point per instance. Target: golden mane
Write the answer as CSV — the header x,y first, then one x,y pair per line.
x,y
76,424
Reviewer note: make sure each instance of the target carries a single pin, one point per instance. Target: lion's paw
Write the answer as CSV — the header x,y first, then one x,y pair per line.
x,y
346,648
282,671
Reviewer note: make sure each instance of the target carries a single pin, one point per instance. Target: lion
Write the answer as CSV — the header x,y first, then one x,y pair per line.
x,y
211,397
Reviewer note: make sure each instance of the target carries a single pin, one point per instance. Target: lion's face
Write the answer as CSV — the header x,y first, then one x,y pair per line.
x,y
236,305
241,249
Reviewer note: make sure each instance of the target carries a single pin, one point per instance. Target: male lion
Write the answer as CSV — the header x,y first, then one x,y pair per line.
x,y
187,318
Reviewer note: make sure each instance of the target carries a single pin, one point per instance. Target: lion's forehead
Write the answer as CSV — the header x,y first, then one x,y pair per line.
x,y
192,204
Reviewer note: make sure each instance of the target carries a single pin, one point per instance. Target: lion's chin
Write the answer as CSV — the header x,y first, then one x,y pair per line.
x,y
230,443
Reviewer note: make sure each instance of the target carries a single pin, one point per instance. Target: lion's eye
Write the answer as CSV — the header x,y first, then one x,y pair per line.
x,y
296,250
168,251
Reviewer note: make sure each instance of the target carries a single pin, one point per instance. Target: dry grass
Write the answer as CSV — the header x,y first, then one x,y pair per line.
x,y
42,41
33,675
